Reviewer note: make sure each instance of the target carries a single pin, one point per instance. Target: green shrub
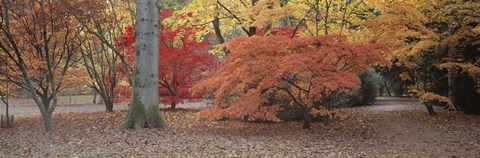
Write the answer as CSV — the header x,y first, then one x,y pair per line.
x,y
365,95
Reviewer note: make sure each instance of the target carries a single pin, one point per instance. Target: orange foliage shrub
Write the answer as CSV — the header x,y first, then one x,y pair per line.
x,y
303,70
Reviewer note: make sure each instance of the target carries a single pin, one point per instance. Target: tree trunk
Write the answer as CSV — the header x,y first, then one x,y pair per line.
x,y
218,31
144,111
252,31
6,98
431,111
45,101
451,88
108,105
6,113
173,105
47,120
307,121
94,92
387,89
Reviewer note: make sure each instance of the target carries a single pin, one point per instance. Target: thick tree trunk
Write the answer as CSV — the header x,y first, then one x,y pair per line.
x,y
47,120
144,111
45,101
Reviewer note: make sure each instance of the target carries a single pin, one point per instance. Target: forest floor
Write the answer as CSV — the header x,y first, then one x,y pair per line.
x,y
393,127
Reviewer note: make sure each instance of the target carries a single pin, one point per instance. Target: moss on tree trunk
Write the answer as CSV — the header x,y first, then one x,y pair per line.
x,y
139,117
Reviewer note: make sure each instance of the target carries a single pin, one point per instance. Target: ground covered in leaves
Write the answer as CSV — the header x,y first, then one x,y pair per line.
x,y
393,127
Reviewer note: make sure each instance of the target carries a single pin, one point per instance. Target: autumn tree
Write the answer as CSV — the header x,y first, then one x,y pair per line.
x,y
323,17
40,40
105,21
101,67
302,70
425,43
102,24
144,111
229,19
458,25
401,26
183,57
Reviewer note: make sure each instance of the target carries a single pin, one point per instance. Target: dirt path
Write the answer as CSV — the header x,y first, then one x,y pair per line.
x,y
394,127
405,129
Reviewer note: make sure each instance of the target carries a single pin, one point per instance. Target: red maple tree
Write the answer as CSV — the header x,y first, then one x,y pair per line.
x,y
182,60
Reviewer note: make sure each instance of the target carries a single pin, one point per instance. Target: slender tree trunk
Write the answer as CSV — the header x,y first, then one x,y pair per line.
x,y
94,92
430,109
307,121
50,70
387,89
327,9
144,111
8,119
218,31
173,105
6,98
451,88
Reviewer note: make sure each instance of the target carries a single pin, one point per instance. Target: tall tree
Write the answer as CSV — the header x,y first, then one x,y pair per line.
x,y
183,59
144,111
40,40
103,23
458,24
